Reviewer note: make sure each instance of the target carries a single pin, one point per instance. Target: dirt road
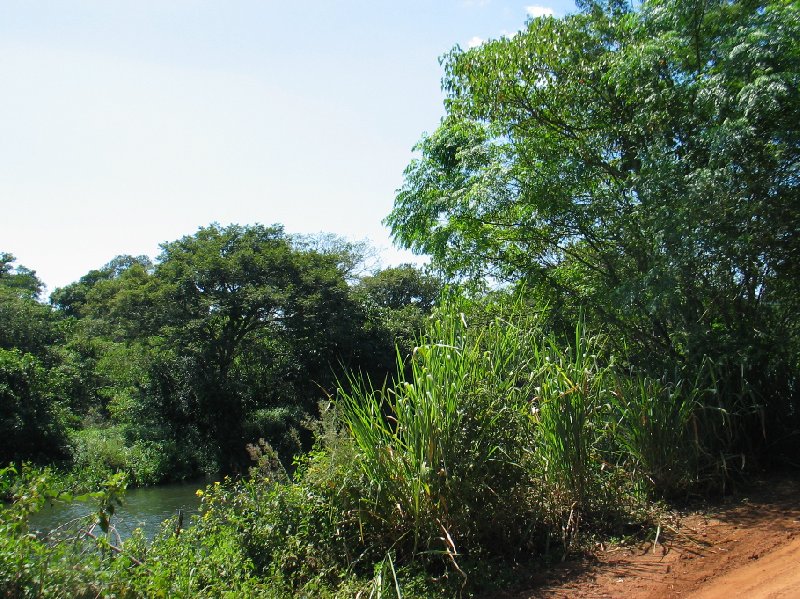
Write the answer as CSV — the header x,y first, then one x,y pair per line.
x,y
749,548
776,574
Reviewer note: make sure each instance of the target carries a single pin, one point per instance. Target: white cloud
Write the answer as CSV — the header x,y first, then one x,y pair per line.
x,y
539,11
475,42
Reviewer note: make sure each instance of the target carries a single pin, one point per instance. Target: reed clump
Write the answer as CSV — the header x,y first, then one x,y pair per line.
x,y
498,437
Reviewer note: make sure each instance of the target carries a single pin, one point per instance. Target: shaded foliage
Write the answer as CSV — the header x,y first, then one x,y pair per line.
x,y
33,416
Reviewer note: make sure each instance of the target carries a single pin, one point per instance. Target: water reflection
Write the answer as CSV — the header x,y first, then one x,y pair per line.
x,y
144,508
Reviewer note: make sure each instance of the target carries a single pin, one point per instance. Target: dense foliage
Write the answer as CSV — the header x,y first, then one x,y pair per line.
x,y
496,444
168,370
624,179
640,165
33,418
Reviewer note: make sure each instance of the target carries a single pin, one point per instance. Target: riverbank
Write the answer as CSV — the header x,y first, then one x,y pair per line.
x,y
746,545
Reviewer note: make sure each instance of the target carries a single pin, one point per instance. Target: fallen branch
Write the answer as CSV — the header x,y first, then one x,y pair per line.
x,y
114,548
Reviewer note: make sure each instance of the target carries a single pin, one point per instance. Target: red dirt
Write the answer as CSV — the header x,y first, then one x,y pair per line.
x,y
749,547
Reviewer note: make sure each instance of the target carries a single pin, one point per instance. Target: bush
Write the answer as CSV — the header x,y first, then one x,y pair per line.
x,y
98,453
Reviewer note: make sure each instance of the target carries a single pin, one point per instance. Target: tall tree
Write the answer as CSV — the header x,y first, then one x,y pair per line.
x,y
32,412
252,322
396,302
640,163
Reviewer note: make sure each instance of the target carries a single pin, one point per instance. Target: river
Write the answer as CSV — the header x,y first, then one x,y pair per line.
x,y
144,508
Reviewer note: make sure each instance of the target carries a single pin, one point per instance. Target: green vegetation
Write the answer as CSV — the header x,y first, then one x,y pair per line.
x,y
496,443
167,370
639,166
612,198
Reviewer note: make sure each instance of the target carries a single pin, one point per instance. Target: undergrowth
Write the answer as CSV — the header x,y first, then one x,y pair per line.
x,y
497,443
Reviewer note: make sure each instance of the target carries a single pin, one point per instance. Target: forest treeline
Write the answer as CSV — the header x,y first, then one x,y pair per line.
x,y
613,199
166,370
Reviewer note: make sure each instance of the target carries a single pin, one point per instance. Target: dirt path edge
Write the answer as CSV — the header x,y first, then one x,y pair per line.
x,y
747,547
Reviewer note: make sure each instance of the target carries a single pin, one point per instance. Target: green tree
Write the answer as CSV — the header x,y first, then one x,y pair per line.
x,y
397,287
107,292
108,317
25,323
32,411
248,323
32,416
19,278
396,302
641,164
234,334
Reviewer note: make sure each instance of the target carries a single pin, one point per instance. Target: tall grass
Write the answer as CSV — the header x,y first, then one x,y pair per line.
x,y
494,438
502,435
445,433
655,428
570,425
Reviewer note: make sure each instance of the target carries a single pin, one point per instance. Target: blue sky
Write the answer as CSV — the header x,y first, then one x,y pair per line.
x,y
127,123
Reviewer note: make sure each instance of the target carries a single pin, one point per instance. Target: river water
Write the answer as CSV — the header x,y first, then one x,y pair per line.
x,y
144,508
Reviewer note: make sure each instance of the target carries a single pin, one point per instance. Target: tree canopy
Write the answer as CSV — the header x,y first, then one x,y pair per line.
x,y
639,164
171,366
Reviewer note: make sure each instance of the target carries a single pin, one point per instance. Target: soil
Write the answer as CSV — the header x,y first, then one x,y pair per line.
x,y
748,546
